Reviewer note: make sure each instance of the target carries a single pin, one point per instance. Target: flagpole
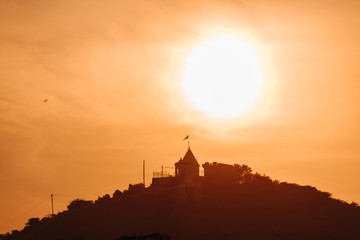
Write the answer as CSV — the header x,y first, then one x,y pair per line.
x,y
187,138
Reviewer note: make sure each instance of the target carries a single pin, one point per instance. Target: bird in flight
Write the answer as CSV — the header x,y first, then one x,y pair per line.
x,y
45,100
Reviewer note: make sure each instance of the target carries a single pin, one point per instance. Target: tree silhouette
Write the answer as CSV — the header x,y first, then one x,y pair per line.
x,y
253,206
78,204
117,194
33,222
242,172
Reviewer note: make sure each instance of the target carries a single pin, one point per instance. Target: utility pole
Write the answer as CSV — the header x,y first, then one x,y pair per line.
x,y
144,172
52,204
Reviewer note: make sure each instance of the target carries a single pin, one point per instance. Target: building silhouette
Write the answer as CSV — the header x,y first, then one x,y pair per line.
x,y
186,183
187,166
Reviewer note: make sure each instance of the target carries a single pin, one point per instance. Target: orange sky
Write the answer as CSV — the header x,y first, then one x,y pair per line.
x,y
110,70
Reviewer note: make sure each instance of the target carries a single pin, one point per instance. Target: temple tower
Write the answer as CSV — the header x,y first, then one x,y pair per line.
x,y
187,166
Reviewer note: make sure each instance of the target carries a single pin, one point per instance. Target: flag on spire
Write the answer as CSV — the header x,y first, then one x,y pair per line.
x,y
187,137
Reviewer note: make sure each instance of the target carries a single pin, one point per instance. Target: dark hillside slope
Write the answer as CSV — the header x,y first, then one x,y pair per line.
x,y
252,210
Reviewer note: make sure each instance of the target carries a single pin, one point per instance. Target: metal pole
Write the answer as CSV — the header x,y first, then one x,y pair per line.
x,y
144,172
52,204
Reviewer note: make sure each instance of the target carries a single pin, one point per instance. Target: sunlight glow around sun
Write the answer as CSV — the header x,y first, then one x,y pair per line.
x,y
223,77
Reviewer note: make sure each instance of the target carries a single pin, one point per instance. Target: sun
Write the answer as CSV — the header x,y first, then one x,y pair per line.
x,y
223,77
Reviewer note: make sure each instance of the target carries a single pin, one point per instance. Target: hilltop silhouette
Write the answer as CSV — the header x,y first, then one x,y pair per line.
x,y
228,202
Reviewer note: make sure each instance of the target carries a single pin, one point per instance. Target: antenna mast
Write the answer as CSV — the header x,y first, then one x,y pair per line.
x,y
52,204
144,172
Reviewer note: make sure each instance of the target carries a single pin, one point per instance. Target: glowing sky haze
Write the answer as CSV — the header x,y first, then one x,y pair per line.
x,y
112,73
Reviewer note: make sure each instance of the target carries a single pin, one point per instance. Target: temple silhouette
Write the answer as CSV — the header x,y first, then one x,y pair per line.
x,y
225,202
186,183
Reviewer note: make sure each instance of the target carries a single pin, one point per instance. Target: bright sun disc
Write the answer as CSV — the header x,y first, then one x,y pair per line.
x,y
223,77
